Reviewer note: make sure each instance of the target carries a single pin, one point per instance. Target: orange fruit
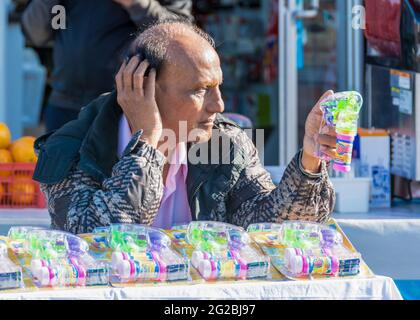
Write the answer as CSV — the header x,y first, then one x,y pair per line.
x,y
5,136
22,191
28,139
23,150
5,157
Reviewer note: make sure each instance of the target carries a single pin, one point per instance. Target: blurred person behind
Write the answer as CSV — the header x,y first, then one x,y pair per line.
x,y
88,51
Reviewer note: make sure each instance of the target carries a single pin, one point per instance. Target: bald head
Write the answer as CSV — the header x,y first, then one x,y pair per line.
x,y
188,77
171,42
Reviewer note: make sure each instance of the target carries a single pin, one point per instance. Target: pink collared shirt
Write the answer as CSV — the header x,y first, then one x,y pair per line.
x,y
174,208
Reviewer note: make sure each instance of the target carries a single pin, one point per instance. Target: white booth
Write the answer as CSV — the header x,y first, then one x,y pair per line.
x,y
22,77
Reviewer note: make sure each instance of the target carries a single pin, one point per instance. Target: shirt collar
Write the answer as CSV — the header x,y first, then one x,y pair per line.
x,y
178,159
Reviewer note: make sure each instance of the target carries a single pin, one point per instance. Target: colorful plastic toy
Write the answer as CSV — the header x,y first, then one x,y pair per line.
x,y
10,273
18,237
223,251
341,111
296,234
303,249
308,235
142,253
61,259
331,262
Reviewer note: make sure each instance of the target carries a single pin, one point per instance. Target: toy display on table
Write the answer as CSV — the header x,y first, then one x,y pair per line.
x,y
304,249
141,253
10,273
58,259
223,251
137,254
341,111
18,237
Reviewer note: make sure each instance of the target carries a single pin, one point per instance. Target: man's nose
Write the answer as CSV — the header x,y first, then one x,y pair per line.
x,y
216,104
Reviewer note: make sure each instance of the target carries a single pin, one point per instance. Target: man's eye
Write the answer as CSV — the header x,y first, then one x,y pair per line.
x,y
201,91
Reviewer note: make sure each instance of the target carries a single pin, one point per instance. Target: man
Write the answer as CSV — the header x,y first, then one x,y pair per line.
x,y
113,164
87,53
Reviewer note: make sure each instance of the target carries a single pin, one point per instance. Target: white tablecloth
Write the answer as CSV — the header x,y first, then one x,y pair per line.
x,y
378,288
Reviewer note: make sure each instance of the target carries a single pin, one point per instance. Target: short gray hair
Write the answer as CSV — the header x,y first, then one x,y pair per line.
x,y
152,44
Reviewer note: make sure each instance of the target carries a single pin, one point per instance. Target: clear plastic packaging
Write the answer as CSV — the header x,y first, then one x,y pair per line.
x,y
62,259
223,251
304,249
142,253
264,227
18,237
307,235
329,262
341,111
296,234
10,273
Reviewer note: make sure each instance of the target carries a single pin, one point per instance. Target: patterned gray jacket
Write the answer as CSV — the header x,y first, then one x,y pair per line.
x,y
87,186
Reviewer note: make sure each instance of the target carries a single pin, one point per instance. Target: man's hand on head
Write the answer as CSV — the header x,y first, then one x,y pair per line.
x,y
326,139
136,96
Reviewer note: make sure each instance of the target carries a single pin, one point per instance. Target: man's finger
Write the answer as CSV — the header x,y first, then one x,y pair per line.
x,y
138,77
331,152
129,71
119,78
317,108
327,140
329,131
151,84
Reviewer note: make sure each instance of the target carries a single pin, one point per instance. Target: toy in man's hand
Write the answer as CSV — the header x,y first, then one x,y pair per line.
x,y
341,111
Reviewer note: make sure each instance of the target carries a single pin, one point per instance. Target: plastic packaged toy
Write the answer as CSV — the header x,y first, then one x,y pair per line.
x,y
341,111
142,253
336,261
62,259
223,251
303,249
10,273
307,235
18,237
296,234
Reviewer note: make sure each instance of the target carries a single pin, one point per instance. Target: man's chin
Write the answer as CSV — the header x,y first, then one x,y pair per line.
x,y
201,135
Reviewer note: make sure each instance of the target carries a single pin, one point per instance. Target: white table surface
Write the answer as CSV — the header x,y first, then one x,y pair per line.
x,y
377,288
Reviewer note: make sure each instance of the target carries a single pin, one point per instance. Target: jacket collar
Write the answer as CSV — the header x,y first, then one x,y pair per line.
x,y
91,142
98,152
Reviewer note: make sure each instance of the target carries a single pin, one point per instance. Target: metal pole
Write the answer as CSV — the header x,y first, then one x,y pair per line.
x,y
288,81
359,56
291,107
350,48
350,42
3,29
282,80
341,45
